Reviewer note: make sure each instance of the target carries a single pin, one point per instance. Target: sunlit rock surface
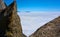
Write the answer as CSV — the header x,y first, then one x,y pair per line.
x,y
2,5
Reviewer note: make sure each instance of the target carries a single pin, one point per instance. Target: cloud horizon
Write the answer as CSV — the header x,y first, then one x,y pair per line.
x,y
32,21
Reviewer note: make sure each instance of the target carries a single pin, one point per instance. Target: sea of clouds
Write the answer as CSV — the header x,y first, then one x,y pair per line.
x,y
31,21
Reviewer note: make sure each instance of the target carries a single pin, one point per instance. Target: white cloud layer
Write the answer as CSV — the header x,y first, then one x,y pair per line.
x,y
33,20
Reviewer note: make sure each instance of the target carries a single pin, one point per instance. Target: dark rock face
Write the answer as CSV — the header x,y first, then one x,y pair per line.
x,y
10,24
23,35
51,29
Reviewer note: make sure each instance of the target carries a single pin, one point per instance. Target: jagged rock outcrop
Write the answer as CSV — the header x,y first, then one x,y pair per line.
x,y
2,5
51,29
10,24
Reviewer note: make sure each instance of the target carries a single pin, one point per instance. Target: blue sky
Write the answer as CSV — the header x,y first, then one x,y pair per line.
x,y
37,5
40,5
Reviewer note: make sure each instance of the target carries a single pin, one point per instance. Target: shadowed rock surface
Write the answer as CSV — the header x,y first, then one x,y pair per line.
x,y
51,29
24,35
10,24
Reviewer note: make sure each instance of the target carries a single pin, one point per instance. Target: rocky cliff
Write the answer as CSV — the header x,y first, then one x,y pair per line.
x,y
10,23
50,29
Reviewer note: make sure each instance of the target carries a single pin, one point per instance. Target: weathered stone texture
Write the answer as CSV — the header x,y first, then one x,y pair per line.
x,y
10,23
